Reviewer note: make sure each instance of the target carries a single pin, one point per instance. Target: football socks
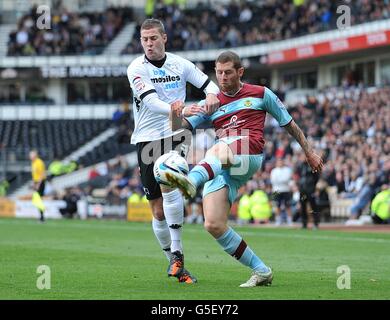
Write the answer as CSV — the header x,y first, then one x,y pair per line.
x,y
234,245
173,205
205,170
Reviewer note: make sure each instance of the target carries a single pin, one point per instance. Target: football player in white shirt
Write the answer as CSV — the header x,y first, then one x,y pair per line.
x,y
158,79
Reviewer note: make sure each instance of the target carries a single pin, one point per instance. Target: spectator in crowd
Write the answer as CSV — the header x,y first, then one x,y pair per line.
x,y
364,197
380,206
322,200
93,173
122,116
340,183
295,202
194,209
71,197
57,168
136,196
244,215
354,183
260,207
307,186
281,179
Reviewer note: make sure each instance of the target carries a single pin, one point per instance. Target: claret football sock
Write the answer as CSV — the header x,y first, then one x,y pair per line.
x,y
205,170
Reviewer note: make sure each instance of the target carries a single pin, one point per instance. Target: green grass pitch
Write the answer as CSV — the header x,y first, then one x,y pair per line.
x,y
122,260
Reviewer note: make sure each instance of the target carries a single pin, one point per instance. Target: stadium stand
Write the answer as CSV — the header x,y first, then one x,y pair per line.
x,y
57,137
234,24
117,144
71,33
107,150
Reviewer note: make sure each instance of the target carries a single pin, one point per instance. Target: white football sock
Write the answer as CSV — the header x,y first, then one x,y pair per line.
x,y
173,205
161,231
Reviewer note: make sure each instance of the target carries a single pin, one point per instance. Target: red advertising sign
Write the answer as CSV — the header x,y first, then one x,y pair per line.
x,y
370,40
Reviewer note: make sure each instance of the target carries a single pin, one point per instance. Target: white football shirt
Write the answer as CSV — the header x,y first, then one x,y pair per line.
x,y
281,179
169,82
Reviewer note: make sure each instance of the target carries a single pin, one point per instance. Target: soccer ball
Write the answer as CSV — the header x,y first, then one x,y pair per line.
x,y
170,161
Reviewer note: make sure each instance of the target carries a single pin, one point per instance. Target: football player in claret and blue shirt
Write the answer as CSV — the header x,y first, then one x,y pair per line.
x,y
236,156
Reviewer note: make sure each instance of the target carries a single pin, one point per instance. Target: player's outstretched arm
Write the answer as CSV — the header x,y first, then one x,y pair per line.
x,y
313,159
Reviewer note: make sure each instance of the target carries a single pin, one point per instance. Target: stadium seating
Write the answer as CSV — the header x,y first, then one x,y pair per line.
x,y
107,150
54,138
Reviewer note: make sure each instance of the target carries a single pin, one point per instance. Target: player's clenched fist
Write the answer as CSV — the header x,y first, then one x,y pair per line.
x,y
177,108
315,162
211,103
192,110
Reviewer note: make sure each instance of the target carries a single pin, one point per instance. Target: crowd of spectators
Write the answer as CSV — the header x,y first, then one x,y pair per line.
x,y
116,181
70,33
206,26
240,23
348,127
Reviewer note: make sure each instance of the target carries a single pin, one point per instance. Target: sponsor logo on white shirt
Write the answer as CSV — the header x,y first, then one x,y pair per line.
x,y
138,83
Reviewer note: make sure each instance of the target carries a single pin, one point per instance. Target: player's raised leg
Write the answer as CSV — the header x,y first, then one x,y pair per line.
x,y
217,157
216,208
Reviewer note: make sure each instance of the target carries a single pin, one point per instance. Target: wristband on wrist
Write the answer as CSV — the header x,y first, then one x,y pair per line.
x,y
182,112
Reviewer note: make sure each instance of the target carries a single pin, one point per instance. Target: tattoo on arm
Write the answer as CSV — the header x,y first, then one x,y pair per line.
x,y
179,123
293,129
175,121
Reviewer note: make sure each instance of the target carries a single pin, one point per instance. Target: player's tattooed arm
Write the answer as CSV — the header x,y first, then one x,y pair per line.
x,y
176,115
314,160
186,125
178,112
293,129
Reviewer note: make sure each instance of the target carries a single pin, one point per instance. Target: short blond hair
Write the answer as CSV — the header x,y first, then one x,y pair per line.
x,y
153,24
